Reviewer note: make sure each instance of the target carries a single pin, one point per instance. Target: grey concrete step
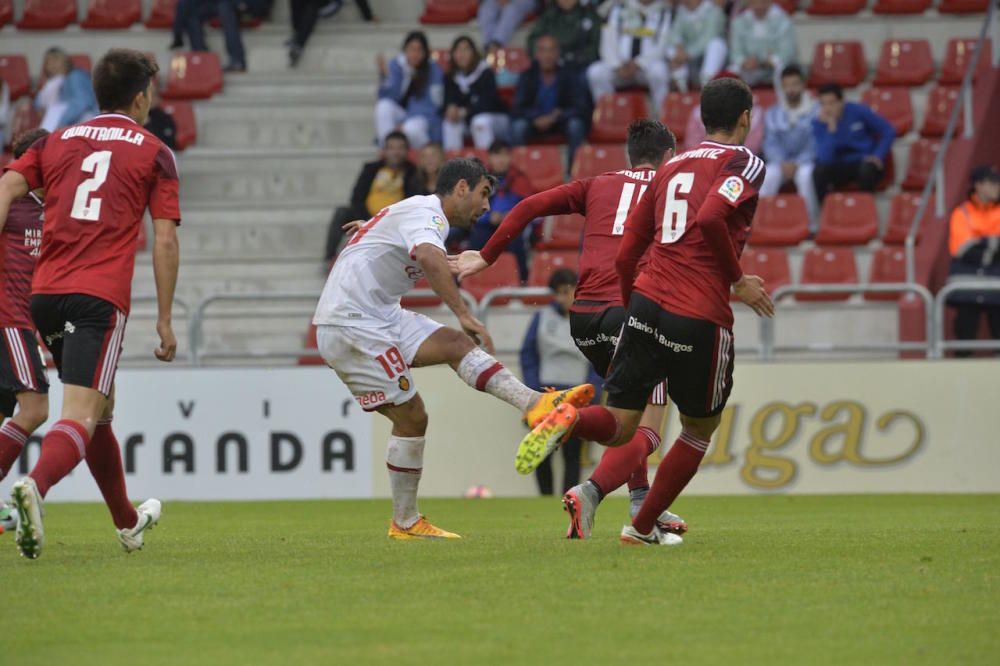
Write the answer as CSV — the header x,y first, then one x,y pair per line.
x,y
265,126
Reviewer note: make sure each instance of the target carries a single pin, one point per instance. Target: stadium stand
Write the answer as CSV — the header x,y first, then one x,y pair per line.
x,y
940,103
593,160
111,14
838,62
901,213
780,220
828,265
187,128
47,14
14,70
6,12
901,6
161,14
613,114
543,165
848,219
676,111
904,62
771,264
195,75
836,7
892,103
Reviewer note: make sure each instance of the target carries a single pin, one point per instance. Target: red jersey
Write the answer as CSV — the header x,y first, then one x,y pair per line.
x,y
695,222
99,178
21,238
605,202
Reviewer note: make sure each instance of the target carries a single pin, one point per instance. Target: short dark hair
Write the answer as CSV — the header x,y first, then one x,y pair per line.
x,y
121,75
648,141
831,89
723,101
563,277
25,139
396,134
498,146
468,169
793,70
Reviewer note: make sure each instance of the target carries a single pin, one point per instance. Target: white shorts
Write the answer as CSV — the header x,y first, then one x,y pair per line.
x,y
374,363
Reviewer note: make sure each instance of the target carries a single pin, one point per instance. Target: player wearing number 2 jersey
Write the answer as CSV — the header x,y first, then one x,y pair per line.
x,y
693,222
99,177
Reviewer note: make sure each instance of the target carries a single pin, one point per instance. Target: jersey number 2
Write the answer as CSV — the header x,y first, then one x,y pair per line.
x,y
86,207
675,212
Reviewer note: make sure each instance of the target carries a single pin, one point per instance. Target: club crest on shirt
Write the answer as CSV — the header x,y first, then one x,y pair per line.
x,y
404,384
732,188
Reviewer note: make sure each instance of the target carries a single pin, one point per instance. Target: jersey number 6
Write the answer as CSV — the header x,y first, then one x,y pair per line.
x,y
675,212
84,207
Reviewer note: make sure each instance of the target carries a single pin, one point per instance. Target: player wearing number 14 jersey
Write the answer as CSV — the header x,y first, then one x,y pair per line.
x,y
99,177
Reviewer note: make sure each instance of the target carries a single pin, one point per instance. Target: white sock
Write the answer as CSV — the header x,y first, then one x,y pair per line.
x,y
484,373
405,461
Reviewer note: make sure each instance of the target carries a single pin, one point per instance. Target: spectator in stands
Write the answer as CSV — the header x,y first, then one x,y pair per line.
x,y
761,42
229,13
549,358
498,19
974,243
697,43
512,186
5,112
576,26
429,162
549,100
472,104
305,15
67,96
380,183
633,50
852,143
161,123
789,145
410,93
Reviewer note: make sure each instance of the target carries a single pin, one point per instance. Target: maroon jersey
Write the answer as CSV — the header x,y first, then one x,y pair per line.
x,y
21,238
99,178
690,268
605,202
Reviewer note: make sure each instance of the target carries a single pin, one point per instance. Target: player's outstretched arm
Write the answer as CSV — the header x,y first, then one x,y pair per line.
x,y
561,200
12,186
467,263
434,263
166,261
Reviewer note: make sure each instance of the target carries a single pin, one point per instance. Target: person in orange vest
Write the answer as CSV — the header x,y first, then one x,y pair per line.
x,y
974,243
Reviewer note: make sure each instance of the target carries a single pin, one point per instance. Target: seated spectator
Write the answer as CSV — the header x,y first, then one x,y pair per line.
x,y
498,19
633,50
161,123
67,96
380,183
852,143
472,104
306,13
549,100
410,93
697,46
789,146
429,163
694,133
194,13
5,112
974,243
512,186
761,42
576,26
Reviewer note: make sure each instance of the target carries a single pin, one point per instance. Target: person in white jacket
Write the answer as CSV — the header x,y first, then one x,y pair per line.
x,y
633,50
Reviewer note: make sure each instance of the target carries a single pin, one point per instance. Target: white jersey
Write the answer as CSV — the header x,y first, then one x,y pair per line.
x,y
377,267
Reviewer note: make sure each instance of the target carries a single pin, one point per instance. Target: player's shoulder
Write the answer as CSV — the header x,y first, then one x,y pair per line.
x,y
742,162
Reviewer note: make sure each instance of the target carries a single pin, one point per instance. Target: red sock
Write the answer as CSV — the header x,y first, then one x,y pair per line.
x,y
639,478
619,463
12,439
62,450
104,458
597,424
675,471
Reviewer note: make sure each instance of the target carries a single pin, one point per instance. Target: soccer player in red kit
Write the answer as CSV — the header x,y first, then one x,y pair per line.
x,y
694,222
99,178
597,315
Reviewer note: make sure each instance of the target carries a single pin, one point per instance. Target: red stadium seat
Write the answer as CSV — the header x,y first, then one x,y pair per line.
x,y
25,118
593,160
893,104
838,62
193,76
769,264
888,265
676,111
47,14
443,58
187,128
847,219
957,55
544,264
922,155
790,6
780,220
511,59
543,165
963,6
467,152
901,211
614,113
503,273
80,60
904,62
764,97
161,14
6,12
111,14
449,11
310,343
940,104
14,70
828,265
563,232
901,6
836,7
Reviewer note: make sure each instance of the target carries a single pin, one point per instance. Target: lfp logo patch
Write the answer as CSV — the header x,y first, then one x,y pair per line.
x,y
438,222
732,188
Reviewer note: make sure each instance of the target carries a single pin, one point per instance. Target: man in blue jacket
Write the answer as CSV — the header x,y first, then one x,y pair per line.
x,y
852,143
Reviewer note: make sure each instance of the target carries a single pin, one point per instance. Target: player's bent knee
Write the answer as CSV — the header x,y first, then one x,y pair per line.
x,y
408,419
33,410
703,428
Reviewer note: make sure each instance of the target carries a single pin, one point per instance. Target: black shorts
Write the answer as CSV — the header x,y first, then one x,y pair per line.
x,y
85,336
21,368
693,355
596,336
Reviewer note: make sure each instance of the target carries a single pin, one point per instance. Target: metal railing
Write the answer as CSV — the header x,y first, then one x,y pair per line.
x,y
941,301
137,314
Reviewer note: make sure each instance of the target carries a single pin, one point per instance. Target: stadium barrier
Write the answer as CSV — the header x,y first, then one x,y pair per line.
x,y
141,313
941,301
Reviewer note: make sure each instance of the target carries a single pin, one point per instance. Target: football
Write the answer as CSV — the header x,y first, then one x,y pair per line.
x,y
478,492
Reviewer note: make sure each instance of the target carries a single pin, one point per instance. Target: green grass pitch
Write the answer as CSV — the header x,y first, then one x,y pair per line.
x,y
759,580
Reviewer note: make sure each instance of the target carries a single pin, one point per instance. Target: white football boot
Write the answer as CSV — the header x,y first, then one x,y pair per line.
x,y
149,515
8,517
633,537
667,521
30,535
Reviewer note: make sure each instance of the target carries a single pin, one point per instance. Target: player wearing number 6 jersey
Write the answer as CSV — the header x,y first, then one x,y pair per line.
x,y
597,315
99,178
694,222
372,342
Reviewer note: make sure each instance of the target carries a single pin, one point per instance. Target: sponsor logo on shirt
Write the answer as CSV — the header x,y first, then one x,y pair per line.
x,y
372,399
732,188
659,337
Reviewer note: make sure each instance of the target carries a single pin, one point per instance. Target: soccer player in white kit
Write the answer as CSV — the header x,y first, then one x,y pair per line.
x,y
372,342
